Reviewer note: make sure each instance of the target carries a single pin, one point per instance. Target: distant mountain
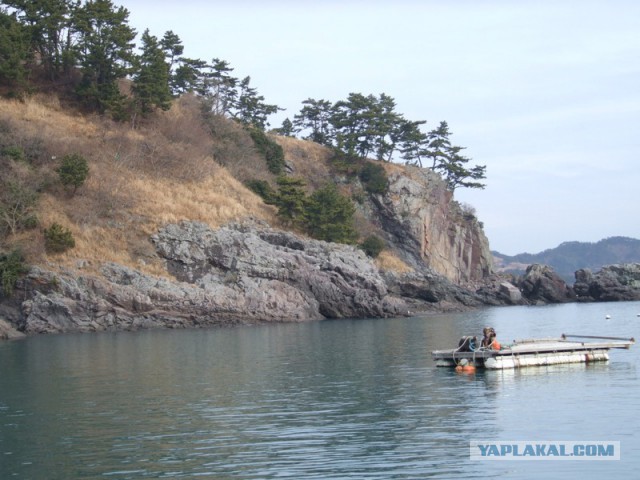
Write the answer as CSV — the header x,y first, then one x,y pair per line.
x,y
568,257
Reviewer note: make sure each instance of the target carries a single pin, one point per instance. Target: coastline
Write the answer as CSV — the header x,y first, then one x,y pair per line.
x,y
244,274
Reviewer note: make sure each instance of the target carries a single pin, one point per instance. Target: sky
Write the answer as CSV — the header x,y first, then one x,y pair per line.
x,y
545,93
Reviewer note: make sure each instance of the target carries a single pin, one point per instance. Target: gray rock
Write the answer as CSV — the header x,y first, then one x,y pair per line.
x,y
236,274
541,285
334,280
430,230
430,290
511,293
8,331
611,283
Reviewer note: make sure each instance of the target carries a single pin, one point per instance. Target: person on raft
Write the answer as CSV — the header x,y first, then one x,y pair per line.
x,y
489,339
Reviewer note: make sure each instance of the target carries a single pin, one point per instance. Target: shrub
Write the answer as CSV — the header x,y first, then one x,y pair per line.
x,y
374,178
344,164
33,148
73,171
12,265
17,206
15,153
263,189
58,239
373,245
273,153
468,211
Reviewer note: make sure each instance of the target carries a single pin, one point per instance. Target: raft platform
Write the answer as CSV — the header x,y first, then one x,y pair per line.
x,y
535,352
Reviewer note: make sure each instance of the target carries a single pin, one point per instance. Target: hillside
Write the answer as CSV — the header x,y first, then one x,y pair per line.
x,y
181,166
167,234
139,180
569,257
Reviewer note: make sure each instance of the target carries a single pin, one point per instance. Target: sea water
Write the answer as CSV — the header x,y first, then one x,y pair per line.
x,y
322,400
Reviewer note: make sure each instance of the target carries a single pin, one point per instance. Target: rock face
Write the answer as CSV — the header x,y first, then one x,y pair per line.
x,y
8,332
512,293
237,274
322,280
432,289
501,289
430,229
541,285
611,283
250,273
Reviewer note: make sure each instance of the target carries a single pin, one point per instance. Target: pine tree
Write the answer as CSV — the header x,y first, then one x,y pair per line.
x,y
384,127
105,46
189,76
413,143
315,118
290,199
286,130
73,171
329,216
456,173
351,120
250,108
151,81
438,145
219,88
14,50
173,49
49,23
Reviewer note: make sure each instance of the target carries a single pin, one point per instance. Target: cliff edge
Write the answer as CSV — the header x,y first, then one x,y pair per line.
x,y
429,229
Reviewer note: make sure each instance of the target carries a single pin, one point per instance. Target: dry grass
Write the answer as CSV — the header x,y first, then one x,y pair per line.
x,y
175,167
309,160
39,115
234,149
139,180
389,261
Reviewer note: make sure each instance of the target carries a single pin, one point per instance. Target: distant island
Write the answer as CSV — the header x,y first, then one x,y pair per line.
x,y
568,257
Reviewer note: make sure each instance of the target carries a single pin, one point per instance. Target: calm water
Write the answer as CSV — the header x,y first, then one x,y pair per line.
x,y
326,400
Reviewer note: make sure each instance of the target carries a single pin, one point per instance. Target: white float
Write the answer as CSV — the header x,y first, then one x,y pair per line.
x,y
535,352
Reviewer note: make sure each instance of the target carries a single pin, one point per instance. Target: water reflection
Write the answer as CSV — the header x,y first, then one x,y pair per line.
x,y
333,399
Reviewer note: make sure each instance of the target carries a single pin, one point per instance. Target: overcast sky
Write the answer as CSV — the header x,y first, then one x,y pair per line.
x,y
546,94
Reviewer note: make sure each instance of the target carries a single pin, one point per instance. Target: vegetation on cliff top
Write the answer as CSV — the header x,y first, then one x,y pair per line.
x,y
107,143
89,48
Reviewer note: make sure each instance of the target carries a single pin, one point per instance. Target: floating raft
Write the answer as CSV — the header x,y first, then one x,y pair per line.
x,y
535,352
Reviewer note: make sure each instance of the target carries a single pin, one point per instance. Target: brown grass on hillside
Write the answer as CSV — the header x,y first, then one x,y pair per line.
x,y
234,149
41,115
309,160
389,261
139,180
174,167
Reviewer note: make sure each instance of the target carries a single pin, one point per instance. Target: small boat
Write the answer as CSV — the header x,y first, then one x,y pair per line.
x,y
533,352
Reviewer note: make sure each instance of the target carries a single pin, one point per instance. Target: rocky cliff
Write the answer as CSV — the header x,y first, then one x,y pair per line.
x,y
611,283
247,273
541,285
241,273
430,229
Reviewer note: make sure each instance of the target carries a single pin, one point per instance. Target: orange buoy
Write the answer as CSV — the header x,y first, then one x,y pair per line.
x,y
465,367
